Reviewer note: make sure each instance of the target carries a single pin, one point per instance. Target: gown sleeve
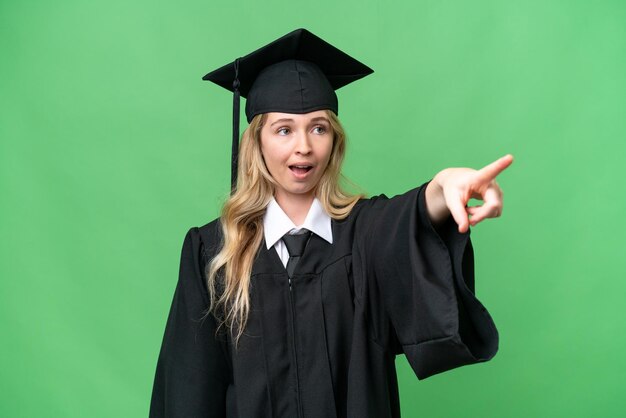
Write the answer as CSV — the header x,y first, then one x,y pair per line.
x,y
192,376
420,287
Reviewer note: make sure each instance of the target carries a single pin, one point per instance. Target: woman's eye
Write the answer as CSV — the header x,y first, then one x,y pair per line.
x,y
320,130
283,131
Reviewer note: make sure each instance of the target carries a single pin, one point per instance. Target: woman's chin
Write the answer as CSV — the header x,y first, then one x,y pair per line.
x,y
296,192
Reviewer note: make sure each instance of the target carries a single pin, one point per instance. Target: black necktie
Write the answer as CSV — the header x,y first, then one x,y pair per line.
x,y
295,245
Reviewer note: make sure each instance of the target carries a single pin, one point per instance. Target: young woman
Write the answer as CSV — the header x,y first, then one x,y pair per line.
x,y
297,300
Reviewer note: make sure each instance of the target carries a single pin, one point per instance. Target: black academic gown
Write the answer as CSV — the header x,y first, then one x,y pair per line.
x,y
389,284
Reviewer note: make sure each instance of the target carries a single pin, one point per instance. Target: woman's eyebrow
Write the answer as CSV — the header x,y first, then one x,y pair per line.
x,y
286,120
320,118
281,120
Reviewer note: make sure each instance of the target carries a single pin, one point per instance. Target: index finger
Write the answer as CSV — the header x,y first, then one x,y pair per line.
x,y
490,171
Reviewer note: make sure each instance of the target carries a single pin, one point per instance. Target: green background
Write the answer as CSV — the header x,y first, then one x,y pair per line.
x,y
111,148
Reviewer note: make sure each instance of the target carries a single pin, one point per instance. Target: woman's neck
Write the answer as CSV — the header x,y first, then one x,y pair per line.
x,y
295,206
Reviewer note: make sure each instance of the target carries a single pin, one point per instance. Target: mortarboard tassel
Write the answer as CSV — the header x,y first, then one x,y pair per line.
x,y
235,146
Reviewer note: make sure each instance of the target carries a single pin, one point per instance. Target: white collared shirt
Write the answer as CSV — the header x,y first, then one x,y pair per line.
x,y
276,223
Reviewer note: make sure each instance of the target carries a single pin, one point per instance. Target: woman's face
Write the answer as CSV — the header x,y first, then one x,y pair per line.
x,y
296,149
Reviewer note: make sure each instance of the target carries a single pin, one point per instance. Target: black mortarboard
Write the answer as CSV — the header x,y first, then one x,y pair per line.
x,y
297,73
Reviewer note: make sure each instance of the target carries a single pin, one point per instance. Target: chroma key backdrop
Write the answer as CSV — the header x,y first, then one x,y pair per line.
x,y
112,147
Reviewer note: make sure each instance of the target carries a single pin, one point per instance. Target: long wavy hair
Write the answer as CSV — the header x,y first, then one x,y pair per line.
x,y
228,273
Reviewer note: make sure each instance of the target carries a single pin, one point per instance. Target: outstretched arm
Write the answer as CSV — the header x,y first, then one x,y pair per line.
x,y
450,190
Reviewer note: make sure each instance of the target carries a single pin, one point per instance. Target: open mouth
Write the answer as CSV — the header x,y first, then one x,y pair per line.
x,y
300,169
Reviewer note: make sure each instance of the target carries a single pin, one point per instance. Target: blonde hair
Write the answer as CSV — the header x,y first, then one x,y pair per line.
x,y
228,275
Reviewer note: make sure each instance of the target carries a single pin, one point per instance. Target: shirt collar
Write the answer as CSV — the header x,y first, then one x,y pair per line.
x,y
276,223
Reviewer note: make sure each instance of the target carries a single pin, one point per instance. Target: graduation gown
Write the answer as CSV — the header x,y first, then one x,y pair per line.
x,y
390,283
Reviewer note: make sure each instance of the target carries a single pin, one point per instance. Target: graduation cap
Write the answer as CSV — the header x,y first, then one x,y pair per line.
x,y
297,73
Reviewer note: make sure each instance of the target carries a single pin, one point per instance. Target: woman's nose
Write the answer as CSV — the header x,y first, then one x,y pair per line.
x,y
303,144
